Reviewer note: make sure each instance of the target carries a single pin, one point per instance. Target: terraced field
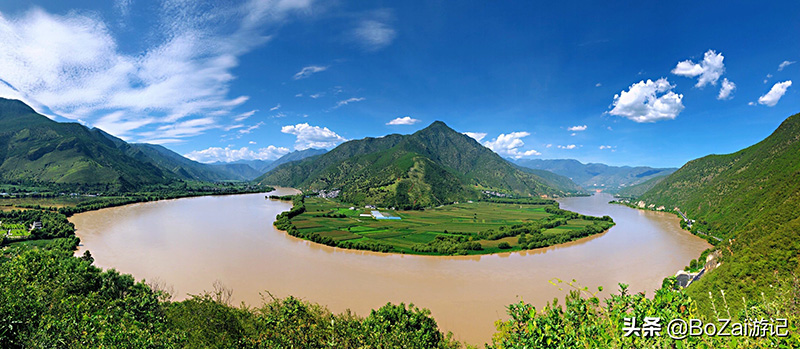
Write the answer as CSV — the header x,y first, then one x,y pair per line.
x,y
463,222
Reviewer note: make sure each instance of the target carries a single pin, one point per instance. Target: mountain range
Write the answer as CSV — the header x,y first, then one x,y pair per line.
x,y
749,200
596,176
433,166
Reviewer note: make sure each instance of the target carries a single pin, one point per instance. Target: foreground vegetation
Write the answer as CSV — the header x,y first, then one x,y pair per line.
x,y
48,298
499,225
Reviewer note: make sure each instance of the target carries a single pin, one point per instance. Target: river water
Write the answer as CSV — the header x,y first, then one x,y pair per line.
x,y
188,244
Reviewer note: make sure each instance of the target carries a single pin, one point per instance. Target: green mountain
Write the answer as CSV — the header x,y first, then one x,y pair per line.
x,y
596,176
433,166
554,180
751,200
34,148
296,155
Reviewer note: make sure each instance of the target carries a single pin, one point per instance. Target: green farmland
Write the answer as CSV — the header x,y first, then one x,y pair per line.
x,y
465,228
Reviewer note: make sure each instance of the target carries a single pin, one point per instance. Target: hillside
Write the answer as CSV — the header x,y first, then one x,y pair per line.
x,y
596,176
34,148
554,180
637,190
751,196
172,162
433,166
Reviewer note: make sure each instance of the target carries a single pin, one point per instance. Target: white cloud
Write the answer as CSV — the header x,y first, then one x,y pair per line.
x,y
228,154
122,7
775,93
602,147
308,71
374,33
478,136
508,145
243,116
251,142
348,101
275,107
312,136
751,103
174,132
548,145
709,70
317,95
598,84
299,95
406,120
251,128
726,89
73,65
577,128
648,101
570,146
785,64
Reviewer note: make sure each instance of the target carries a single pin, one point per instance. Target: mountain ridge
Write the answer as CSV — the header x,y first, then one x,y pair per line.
x,y
432,166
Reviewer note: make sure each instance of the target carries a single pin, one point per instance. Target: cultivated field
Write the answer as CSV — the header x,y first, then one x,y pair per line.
x,y
463,220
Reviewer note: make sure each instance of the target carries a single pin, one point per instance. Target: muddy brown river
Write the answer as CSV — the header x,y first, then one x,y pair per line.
x,y
188,244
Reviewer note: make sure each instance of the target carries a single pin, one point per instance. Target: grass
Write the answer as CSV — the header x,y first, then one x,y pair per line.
x,y
422,227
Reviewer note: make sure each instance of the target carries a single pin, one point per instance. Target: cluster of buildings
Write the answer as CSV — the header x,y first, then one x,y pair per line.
x,y
329,194
497,194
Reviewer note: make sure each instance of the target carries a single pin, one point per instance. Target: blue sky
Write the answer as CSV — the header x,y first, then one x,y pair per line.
x,y
648,83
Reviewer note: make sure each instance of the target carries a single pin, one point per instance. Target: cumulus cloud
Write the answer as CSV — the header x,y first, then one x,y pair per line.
x,y
648,101
348,101
603,147
312,136
373,32
228,154
72,64
577,128
785,64
508,145
775,93
308,71
570,146
406,120
709,70
478,136
726,89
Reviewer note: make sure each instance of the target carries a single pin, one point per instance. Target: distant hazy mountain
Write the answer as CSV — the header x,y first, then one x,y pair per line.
x,y
34,148
597,176
432,166
250,169
260,166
